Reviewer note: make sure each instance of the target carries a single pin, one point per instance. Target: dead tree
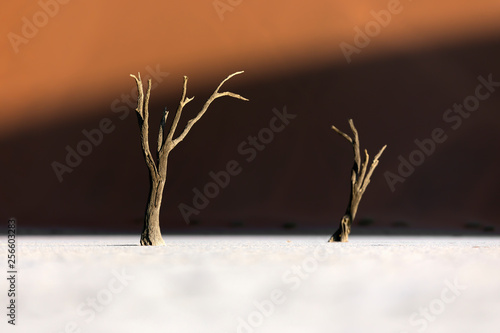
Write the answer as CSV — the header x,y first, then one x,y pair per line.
x,y
151,234
359,182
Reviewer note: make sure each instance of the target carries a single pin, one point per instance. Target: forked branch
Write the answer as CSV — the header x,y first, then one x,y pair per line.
x,y
216,94
360,179
167,139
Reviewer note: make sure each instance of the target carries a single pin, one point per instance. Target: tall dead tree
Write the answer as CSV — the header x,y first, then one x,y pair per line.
x,y
151,234
359,182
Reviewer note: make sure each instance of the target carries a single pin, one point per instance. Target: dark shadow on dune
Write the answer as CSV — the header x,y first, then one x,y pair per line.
x,y
301,177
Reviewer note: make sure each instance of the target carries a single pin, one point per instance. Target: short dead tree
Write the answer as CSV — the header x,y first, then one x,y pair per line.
x,y
157,167
360,179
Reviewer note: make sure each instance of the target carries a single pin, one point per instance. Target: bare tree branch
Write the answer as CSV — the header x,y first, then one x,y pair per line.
x,y
140,93
347,137
356,143
178,114
363,170
162,130
375,162
143,117
214,96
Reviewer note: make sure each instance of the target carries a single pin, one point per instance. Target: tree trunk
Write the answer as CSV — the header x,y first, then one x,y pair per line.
x,y
342,233
151,233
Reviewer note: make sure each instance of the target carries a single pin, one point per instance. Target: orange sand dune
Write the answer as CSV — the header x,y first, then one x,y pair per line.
x,y
87,49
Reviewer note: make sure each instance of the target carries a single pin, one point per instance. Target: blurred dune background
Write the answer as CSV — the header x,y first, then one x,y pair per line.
x,y
65,67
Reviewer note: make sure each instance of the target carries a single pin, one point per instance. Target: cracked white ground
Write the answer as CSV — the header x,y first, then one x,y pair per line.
x,y
255,284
